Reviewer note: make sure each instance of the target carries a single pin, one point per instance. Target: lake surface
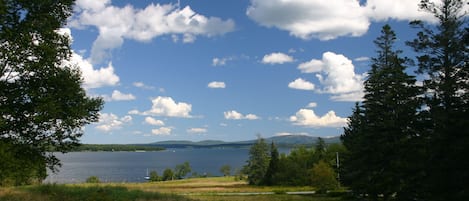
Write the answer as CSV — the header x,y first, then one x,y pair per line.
x,y
132,166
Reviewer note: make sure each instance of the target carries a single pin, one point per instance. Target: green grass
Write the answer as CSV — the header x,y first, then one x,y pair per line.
x,y
51,192
183,190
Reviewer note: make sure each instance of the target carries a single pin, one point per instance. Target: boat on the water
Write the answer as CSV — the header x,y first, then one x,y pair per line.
x,y
147,177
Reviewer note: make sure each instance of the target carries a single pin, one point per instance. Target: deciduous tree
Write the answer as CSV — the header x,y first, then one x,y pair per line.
x,y
42,103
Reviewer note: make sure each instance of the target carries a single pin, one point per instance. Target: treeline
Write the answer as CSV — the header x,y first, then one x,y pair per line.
x,y
316,166
115,147
409,140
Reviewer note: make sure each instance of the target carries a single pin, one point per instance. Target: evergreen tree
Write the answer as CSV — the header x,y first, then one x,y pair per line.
x,y
388,122
443,58
258,162
42,103
273,166
320,150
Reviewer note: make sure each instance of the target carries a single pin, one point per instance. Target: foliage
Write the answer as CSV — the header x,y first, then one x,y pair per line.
x,y
168,174
93,179
258,162
20,170
225,170
42,103
182,170
323,177
273,166
389,119
443,51
154,176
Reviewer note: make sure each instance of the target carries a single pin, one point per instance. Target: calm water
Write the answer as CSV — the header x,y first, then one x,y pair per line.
x,y
132,166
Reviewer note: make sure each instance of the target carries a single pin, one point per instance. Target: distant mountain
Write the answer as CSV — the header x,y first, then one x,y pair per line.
x,y
284,140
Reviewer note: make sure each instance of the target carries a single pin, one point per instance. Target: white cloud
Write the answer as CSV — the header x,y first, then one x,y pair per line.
x,y
312,104
277,58
307,19
290,134
216,85
108,122
142,85
312,66
133,112
234,115
326,20
119,96
166,106
153,121
221,61
381,10
362,59
336,73
118,23
301,84
307,118
161,131
196,130
92,78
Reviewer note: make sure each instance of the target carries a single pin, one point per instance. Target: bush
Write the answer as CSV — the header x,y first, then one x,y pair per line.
x,y
93,179
323,177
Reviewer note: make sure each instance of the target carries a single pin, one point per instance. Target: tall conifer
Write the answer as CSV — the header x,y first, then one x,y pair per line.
x,y
388,123
443,58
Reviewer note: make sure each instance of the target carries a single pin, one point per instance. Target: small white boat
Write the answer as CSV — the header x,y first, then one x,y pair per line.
x,y
147,177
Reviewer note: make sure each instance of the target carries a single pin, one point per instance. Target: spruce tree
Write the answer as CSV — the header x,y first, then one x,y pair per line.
x,y
388,123
443,58
273,166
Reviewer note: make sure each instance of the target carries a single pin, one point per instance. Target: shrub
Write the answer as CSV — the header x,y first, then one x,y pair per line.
x,y
93,179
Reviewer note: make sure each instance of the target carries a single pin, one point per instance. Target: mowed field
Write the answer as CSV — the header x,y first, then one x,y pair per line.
x,y
216,188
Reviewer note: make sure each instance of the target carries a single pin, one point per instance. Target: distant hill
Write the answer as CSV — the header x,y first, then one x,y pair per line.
x,y
284,140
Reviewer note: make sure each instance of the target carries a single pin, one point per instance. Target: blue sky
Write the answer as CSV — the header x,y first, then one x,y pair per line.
x,y
228,70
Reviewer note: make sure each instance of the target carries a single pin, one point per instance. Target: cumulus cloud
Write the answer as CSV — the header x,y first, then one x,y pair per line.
x,y
312,104
196,130
234,115
336,73
109,121
161,131
307,118
92,78
119,96
166,106
153,121
277,58
118,23
301,84
381,10
307,19
326,20
216,85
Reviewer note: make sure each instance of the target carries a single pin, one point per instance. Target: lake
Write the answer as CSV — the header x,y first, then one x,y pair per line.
x,y
132,166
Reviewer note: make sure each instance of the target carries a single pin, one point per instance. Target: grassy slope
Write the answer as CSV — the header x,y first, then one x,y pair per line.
x,y
189,189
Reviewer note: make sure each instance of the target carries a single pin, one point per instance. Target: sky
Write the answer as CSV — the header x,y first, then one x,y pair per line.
x,y
228,70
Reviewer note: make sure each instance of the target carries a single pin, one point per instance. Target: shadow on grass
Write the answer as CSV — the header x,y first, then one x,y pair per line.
x,y
53,192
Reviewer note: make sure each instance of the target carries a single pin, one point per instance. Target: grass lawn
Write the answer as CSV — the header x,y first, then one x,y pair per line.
x,y
215,188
